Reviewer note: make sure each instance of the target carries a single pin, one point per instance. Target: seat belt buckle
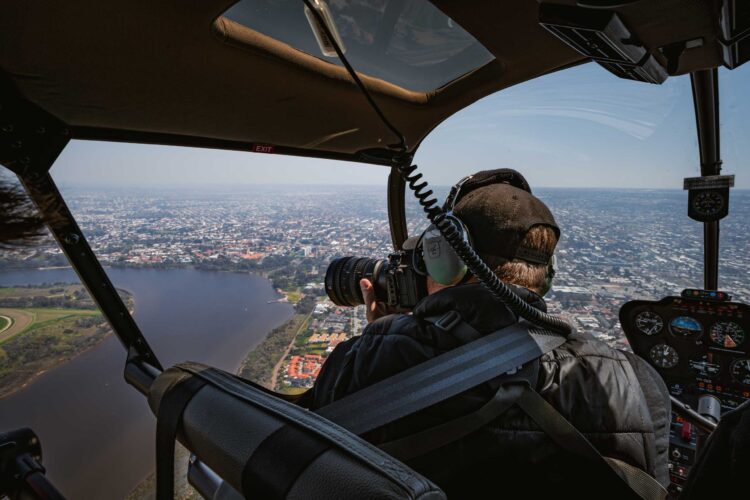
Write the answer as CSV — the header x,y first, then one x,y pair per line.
x,y
448,321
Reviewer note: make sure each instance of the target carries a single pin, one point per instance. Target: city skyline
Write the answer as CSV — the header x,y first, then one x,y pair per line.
x,y
623,234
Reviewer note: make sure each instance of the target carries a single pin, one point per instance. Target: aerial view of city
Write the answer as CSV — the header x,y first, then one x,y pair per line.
x,y
616,245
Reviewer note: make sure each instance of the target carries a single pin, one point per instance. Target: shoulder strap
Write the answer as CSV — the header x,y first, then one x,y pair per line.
x,y
569,438
168,421
451,322
441,377
423,442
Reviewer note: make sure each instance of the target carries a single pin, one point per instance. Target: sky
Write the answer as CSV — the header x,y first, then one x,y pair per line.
x,y
581,127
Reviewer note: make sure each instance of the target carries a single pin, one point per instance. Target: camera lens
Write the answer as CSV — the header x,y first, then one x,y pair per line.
x,y
342,279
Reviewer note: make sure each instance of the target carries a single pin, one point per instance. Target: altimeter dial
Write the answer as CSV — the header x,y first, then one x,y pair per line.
x,y
708,203
727,334
664,356
649,323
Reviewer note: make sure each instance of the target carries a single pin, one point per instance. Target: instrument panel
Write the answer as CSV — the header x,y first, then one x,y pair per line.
x,y
699,343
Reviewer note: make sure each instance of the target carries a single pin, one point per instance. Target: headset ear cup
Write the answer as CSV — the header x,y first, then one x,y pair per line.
x,y
440,260
418,258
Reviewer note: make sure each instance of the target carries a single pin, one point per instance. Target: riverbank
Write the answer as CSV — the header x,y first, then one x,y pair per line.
x,y
146,489
97,432
50,326
261,365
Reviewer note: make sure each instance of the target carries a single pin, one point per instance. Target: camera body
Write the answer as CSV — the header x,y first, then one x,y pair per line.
x,y
405,286
397,281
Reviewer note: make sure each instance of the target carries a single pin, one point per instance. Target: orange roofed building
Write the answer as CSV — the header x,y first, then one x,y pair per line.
x,y
302,370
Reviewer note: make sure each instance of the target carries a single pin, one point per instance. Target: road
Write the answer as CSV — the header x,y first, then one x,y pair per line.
x,y
277,367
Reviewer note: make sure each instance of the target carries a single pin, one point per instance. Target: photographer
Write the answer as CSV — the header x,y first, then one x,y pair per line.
x,y
613,398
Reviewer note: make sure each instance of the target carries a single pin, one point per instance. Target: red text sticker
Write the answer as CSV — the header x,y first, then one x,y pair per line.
x,y
262,148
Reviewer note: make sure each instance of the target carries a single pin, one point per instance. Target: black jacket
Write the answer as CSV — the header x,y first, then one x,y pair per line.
x,y
614,398
720,470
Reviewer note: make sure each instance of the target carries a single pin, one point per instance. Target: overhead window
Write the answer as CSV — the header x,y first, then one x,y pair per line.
x,y
409,43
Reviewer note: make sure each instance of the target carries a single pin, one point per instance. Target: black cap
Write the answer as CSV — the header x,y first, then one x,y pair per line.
x,y
498,209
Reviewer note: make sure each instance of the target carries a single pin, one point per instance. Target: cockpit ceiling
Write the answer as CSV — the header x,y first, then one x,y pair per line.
x,y
181,68
409,43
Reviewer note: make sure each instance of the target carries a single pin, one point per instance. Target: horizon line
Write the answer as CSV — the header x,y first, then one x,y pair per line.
x,y
66,185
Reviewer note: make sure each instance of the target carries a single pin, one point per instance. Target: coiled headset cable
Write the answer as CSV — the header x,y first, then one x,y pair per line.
x,y
438,217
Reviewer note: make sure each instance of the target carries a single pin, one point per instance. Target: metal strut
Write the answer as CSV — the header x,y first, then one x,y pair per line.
x,y
705,84
30,141
396,208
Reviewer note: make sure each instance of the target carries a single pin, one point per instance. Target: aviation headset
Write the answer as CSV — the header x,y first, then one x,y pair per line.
x,y
436,257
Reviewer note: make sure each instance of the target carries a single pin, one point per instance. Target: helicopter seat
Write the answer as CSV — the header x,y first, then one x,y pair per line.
x,y
266,447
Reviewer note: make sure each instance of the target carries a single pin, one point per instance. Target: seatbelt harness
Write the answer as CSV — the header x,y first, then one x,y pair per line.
x,y
167,424
441,377
569,438
482,359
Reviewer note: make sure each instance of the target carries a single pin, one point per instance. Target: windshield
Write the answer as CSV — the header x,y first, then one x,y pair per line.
x,y
734,268
408,43
609,157
220,257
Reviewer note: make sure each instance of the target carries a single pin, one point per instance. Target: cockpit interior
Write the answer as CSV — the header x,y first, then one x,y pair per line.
x,y
363,81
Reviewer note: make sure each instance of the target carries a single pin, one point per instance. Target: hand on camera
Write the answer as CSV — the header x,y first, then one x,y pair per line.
x,y
374,308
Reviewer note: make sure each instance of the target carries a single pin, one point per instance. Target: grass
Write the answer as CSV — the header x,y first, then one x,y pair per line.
x,y
292,391
4,323
53,337
42,338
45,291
45,315
294,295
57,318
47,318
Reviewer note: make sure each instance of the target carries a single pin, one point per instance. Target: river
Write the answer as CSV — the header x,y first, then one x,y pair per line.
x,y
97,432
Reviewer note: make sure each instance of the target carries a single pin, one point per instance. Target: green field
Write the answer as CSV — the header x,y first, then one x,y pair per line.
x,y
46,291
51,324
49,316
34,318
294,295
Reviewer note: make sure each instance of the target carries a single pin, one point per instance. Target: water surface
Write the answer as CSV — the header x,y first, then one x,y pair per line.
x,y
97,432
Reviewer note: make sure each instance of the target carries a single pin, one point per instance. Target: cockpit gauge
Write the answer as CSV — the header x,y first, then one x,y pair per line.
x,y
727,334
664,356
685,326
649,322
708,202
740,370
704,366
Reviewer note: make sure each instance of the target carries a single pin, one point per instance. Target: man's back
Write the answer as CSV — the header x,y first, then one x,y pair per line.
x,y
615,399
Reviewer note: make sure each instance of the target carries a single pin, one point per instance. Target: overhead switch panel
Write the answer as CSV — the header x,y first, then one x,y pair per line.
x,y
734,20
602,36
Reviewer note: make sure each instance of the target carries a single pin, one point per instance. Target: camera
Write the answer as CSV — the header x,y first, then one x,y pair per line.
x,y
397,281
